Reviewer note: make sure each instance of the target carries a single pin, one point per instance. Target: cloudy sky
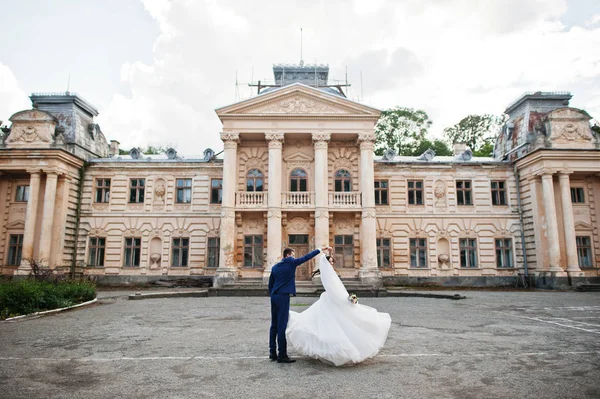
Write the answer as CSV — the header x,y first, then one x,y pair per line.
x,y
157,69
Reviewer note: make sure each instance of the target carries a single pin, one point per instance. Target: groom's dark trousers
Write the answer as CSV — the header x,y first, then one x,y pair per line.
x,y
282,285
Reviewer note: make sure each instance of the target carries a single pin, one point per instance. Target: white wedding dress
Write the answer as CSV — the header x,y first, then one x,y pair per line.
x,y
333,329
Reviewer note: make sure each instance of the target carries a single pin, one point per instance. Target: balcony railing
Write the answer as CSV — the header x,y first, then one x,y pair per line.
x,y
251,199
298,199
345,199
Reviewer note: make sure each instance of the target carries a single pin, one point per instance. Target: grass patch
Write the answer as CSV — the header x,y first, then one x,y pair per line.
x,y
20,297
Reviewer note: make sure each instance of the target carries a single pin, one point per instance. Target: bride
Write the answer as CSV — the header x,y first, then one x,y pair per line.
x,y
334,329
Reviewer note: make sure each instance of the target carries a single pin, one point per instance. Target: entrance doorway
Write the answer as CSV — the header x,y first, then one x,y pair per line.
x,y
299,243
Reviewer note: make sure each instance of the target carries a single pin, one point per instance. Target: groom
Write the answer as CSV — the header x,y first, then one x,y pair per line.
x,y
282,285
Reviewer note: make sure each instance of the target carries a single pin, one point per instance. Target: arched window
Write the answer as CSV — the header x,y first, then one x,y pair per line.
x,y
298,180
254,180
343,181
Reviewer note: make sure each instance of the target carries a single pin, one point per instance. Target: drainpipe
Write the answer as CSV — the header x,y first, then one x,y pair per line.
x,y
78,217
517,180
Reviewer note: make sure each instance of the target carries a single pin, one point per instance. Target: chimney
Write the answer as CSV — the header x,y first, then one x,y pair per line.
x,y
459,148
114,148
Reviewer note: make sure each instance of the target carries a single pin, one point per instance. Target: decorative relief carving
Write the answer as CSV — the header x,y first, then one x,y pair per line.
x,y
298,224
368,137
440,193
227,214
299,105
321,214
27,134
274,214
159,191
342,163
571,132
368,214
344,224
469,233
255,163
96,232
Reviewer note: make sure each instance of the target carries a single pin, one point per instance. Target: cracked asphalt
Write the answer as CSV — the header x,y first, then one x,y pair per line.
x,y
491,345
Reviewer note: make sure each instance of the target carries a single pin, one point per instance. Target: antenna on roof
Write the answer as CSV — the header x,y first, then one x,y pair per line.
x,y
301,60
68,82
362,98
237,89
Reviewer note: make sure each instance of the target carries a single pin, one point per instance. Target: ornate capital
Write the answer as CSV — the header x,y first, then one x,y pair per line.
x,y
366,140
275,137
230,140
321,137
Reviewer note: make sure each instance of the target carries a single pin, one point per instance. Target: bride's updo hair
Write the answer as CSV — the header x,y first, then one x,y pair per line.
x,y
330,258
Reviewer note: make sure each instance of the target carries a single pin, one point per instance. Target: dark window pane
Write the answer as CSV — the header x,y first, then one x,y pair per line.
x,y
303,185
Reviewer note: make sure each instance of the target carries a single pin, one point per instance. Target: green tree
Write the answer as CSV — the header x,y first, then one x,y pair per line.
x,y
438,146
477,131
403,129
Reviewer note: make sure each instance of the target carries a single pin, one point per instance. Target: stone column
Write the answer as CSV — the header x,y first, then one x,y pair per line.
x,y
274,250
48,218
369,272
227,271
551,223
30,222
321,188
569,223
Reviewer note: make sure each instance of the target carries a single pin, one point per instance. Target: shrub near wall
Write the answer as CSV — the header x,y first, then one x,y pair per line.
x,y
19,297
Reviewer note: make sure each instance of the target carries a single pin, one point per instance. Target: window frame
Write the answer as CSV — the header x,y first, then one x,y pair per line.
x,y
344,251
381,250
587,248
414,192
418,246
506,253
15,250
343,179
96,251
103,190
257,177
380,191
468,253
178,250
577,195
213,248
499,194
216,191
133,248
137,191
184,188
299,180
22,193
257,250
464,193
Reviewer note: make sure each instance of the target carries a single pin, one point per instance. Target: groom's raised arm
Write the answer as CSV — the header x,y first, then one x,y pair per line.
x,y
307,257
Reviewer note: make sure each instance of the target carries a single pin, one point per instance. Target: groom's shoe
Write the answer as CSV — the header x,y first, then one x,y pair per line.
x,y
273,356
285,360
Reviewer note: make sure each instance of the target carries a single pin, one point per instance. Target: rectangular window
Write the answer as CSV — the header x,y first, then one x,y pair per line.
x,y
184,191
468,252
415,192
214,245
253,251
584,251
381,192
22,194
180,252
504,257
133,249
15,249
97,250
418,252
498,192
383,252
102,190
464,195
577,195
344,250
216,191
136,191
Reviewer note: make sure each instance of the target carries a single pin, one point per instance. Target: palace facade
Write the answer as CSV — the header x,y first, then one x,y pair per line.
x,y
298,170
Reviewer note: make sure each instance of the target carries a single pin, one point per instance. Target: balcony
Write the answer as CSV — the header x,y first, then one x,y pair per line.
x,y
251,199
298,199
348,200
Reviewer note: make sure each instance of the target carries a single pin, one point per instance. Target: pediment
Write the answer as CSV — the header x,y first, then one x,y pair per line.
x,y
32,115
297,100
17,224
583,226
298,157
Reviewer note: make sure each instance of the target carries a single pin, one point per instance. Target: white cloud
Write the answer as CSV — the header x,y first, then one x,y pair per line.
x,y
12,98
450,58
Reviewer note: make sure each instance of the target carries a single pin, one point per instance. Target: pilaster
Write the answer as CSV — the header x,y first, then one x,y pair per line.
x,y
30,222
551,222
321,145
569,223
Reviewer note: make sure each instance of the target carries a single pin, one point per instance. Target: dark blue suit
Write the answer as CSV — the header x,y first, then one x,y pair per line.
x,y
282,284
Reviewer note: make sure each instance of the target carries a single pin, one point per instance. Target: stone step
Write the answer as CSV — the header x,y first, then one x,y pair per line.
x,y
589,287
